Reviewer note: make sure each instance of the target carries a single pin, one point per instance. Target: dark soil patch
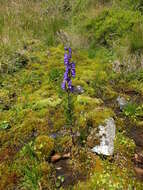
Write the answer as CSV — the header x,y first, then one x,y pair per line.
x,y
63,168
137,135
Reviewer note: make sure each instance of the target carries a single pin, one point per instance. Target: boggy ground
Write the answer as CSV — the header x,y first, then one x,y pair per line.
x,y
33,124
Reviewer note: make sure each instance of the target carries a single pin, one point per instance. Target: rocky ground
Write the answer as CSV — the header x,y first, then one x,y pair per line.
x,y
38,150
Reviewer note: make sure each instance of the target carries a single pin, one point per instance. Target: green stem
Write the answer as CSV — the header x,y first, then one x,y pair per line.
x,y
70,118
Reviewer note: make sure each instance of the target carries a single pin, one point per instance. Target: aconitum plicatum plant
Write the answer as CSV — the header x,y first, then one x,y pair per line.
x,y
69,72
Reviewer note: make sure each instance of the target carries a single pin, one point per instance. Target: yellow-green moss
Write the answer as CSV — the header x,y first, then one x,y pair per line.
x,y
99,114
64,143
38,110
45,168
4,98
52,102
136,86
124,145
43,146
116,179
139,124
109,93
88,101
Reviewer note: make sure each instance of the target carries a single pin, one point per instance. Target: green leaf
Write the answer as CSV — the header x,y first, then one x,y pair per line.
x,y
62,179
4,125
58,183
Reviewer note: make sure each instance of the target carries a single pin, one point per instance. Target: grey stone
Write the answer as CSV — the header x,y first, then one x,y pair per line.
x,y
78,89
121,102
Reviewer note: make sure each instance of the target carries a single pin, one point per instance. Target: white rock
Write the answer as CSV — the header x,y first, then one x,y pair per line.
x,y
107,135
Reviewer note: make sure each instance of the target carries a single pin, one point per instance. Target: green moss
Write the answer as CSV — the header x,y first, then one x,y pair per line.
x,y
31,99
4,99
27,127
49,102
135,39
36,108
38,57
109,93
114,179
116,22
88,101
63,144
9,178
99,114
43,147
124,145
139,124
45,168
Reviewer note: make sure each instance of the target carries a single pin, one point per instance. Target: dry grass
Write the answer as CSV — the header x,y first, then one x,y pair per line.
x,y
20,20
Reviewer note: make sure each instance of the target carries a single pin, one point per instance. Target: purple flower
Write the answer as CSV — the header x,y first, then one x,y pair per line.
x,y
73,69
70,70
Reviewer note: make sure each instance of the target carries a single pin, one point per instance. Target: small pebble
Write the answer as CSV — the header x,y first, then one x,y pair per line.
x,y
56,157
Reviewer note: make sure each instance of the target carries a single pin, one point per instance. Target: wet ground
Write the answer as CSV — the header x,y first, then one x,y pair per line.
x,y
137,135
64,169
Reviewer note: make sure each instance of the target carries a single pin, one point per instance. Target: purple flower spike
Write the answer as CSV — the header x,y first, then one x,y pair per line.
x,y
70,71
73,69
70,53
